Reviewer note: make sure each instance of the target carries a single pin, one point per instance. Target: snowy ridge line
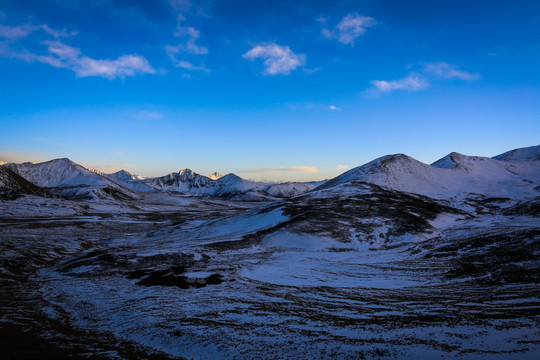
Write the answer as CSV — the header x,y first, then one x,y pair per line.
x,y
454,176
513,174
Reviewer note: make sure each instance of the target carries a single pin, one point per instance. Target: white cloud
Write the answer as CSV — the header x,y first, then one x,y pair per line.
x,y
334,108
23,31
444,70
189,34
190,46
409,83
181,5
16,32
56,33
299,168
341,167
189,66
64,56
61,55
184,64
349,28
418,81
277,59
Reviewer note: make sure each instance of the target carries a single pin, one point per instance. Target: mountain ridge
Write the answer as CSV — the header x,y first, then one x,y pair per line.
x,y
514,173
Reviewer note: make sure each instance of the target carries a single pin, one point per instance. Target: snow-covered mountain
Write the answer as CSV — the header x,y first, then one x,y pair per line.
x,y
527,153
58,172
215,176
129,181
453,176
392,259
184,181
230,186
70,180
13,185
290,189
514,174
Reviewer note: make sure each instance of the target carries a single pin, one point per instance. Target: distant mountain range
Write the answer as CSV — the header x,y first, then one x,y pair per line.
x,y
66,179
514,174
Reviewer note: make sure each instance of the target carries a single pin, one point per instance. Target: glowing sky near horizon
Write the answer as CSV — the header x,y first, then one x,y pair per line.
x,y
269,90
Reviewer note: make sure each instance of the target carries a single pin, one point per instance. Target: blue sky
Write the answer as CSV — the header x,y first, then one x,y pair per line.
x,y
270,90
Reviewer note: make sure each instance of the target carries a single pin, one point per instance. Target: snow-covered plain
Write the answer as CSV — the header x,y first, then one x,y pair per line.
x,y
394,259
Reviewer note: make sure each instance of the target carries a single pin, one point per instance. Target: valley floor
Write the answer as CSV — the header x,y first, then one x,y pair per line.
x,y
203,279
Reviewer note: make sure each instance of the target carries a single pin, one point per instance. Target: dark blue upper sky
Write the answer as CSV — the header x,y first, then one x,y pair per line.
x,y
267,89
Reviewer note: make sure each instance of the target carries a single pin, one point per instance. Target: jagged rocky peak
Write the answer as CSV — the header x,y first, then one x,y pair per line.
x,y
215,176
188,175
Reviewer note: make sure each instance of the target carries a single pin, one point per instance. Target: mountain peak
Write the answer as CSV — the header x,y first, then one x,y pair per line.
x,y
61,161
230,177
449,161
124,175
215,176
188,175
526,153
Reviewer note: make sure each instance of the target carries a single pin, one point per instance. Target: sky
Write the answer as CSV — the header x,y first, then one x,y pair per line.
x,y
270,90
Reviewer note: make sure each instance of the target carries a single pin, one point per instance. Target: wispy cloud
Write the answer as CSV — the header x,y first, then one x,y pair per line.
x,y
299,168
443,70
181,5
349,28
409,83
190,46
16,32
341,167
64,56
56,33
277,59
189,35
61,55
24,30
415,81
334,108
184,64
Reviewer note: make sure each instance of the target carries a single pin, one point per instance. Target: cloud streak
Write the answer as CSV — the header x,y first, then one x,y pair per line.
x,y
442,70
277,59
418,81
16,32
188,46
349,28
299,168
64,56
409,83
